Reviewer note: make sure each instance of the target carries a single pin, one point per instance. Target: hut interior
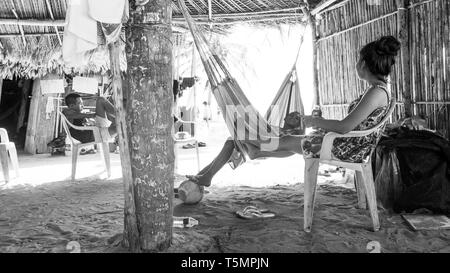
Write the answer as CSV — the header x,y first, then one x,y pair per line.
x,y
31,38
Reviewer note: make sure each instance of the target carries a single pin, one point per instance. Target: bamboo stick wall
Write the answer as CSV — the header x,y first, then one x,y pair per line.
x,y
343,31
430,59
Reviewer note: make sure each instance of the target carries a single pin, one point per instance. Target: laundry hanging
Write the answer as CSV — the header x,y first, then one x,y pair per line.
x,y
90,23
241,117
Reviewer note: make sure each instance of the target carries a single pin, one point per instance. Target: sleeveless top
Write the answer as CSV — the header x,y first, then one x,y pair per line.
x,y
351,149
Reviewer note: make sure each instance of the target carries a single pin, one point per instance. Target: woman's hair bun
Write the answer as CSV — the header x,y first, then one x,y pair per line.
x,y
388,46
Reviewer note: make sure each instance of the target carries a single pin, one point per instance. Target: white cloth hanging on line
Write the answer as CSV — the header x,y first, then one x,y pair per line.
x,y
49,108
107,11
85,85
82,20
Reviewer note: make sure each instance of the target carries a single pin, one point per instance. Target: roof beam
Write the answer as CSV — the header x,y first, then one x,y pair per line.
x,y
36,23
238,15
14,35
322,5
181,21
238,18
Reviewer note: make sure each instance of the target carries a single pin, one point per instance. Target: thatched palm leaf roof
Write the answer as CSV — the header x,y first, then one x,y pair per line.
x,y
33,48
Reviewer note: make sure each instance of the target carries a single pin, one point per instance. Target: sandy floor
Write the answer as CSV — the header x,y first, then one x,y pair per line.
x,y
42,211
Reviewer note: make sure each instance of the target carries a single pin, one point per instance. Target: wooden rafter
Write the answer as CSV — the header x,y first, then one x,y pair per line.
x,y
210,10
20,28
38,34
322,5
178,21
278,12
36,23
53,19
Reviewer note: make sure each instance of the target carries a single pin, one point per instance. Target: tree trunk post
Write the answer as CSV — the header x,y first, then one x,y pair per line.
x,y
131,234
149,122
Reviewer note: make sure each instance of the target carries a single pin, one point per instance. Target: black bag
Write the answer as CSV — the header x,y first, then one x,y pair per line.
x,y
424,164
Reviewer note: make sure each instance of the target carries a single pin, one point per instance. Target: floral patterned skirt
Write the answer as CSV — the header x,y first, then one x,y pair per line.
x,y
349,149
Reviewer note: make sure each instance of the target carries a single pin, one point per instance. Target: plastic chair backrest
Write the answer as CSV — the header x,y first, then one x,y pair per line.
x,y
65,124
391,109
4,136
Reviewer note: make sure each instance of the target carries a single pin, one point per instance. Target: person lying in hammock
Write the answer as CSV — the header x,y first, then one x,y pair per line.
x,y
375,63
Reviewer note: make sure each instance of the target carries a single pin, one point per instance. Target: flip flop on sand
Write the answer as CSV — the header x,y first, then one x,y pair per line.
x,y
87,152
189,146
252,212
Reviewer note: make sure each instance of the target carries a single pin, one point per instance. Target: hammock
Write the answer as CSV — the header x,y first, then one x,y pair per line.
x,y
243,121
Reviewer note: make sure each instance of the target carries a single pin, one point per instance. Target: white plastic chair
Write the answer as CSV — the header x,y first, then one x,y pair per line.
x,y
189,139
365,185
7,147
77,145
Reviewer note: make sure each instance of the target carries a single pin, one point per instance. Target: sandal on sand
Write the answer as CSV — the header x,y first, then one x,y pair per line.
x,y
252,212
87,152
189,146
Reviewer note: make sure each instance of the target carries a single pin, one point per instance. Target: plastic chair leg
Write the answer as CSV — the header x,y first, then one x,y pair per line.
x,y
198,156
4,162
175,151
14,159
369,187
360,192
311,169
75,152
105,152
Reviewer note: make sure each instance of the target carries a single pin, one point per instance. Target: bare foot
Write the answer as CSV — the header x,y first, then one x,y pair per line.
x,y
200,180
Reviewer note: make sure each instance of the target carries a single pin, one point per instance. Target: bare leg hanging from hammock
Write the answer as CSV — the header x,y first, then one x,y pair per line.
x,y
289,145
205,176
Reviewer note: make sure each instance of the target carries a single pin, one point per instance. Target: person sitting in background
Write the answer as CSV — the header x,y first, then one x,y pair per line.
x,y
104,117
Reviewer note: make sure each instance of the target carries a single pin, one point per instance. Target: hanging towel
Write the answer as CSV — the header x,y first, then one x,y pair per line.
x,y
107,11
86,22
49,108
80,33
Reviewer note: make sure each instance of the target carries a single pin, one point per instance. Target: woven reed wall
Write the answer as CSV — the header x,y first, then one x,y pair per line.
x,y
430,62
345,30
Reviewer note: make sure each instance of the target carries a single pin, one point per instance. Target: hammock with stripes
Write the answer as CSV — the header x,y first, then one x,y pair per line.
x,y
243,121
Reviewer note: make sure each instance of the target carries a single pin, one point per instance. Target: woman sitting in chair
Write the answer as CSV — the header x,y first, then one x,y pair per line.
x,y
374,66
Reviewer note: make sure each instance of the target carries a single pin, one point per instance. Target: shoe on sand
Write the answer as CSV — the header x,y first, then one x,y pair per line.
x,y
252,212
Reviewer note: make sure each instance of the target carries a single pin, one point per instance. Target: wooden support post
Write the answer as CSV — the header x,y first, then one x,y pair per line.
x,y
312,23
25,92
131,234
405,62
1,88
33,116
194,88
41,124
149,118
